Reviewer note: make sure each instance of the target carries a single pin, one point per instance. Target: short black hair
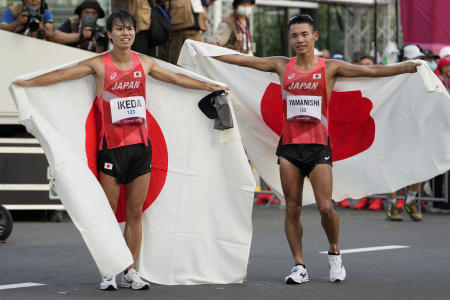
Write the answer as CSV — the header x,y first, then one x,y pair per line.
x,y
237,2
367,56
303,18
122,16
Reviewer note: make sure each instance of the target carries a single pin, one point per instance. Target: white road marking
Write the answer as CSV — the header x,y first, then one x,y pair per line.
x,y
18,141
19,285
369,249
24,187
34,206
21,150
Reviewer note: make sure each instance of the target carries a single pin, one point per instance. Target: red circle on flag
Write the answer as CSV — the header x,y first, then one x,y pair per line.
x,y
159,160
350,125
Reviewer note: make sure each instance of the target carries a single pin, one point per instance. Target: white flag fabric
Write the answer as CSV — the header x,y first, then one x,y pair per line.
x,y
386,133
197,219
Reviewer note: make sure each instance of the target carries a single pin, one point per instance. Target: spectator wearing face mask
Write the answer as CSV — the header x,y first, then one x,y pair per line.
x,y
234,32
431,58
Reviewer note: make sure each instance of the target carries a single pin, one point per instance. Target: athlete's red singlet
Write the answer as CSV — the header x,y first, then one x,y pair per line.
x,y
122,88
305,105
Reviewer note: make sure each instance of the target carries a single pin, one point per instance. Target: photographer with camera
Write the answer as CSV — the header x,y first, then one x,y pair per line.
x,y
81,30
29,17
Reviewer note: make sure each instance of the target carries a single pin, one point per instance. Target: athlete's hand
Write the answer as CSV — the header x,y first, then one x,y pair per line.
x,y
21,82
411,66
214,87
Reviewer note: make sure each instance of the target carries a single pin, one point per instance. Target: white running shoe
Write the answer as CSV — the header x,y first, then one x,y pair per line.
x,y
108,283
298,275
337,270
134,281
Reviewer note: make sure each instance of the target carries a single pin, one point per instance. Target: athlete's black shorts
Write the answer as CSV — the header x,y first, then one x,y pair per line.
x,y
305,156
125,163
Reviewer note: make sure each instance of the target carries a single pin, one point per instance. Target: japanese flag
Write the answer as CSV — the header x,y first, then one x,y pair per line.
x,y
197,225
386,133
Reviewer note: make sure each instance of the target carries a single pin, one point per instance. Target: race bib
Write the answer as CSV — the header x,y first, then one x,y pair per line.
x,y
197,6
128,110
304,108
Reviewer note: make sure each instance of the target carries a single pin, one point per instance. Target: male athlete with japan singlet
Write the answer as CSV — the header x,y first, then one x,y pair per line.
x,y
124,155
304,148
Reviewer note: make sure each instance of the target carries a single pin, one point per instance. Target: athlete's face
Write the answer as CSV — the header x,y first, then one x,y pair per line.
x,y
302,38
122,35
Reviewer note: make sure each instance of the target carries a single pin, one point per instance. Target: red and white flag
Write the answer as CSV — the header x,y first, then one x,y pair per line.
x,y
386,133
197,224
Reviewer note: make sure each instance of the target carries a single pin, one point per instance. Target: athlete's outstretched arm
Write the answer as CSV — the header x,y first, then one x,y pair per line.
x,y
265,64
158,72
81,70
344,69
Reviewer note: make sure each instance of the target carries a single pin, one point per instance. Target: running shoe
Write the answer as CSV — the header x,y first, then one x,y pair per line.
x,y
413,211
344,204
337,270
393,214
134,281
298,275
108,283
361,204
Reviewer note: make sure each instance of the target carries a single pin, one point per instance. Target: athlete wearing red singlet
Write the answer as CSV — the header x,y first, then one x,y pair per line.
x,y
121,84
312,83
304,148
124,149
304,141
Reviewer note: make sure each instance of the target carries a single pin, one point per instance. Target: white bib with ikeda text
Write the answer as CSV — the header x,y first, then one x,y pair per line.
x,y
304,108
128,110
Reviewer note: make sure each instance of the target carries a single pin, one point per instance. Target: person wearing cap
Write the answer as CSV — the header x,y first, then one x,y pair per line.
x,y
444,70
408,52
410,205
338,56
81,30
431,58
444,53
234,32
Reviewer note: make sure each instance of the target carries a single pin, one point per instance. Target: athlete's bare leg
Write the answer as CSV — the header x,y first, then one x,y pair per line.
x,y
111,187
136,195
322,183
292,183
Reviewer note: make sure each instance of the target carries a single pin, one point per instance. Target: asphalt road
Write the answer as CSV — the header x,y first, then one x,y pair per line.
x,y
54,254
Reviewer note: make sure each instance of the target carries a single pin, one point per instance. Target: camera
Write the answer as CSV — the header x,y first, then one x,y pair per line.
x,y
97,34
34,18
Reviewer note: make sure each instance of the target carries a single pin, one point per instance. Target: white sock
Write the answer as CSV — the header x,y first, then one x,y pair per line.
x,y
391,202
410,197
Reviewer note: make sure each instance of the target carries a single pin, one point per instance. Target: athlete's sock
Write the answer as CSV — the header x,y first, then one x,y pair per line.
x,y
125,272
410,197
333,253
301,265
391,202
